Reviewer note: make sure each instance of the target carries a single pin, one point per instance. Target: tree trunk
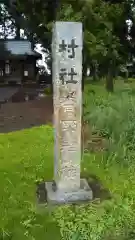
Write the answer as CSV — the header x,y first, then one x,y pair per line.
x,y
4,28
109,80
18,33
95,77
84,74
17,24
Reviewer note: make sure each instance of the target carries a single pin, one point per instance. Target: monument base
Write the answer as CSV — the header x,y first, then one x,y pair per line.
x,y
60,197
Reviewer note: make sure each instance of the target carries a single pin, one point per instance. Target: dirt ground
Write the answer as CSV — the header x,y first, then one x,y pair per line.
x,y
20,115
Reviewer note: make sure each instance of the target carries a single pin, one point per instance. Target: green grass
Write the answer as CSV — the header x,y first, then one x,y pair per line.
x,y
27,157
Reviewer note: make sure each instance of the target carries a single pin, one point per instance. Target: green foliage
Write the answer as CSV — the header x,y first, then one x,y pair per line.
x,y
102,47
98,35
106,45
131,79
110,109
27,157
22,164
112,116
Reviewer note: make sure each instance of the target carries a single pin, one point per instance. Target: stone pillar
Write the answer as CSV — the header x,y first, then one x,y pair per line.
x,y
67,96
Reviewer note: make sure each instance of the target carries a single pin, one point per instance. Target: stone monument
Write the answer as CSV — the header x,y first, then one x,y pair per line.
x,y
67,79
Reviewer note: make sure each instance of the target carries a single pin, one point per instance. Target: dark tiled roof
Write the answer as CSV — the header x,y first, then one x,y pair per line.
x,y
17,48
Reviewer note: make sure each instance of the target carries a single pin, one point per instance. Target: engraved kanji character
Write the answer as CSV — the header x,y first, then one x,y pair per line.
x,y
62,74
72,74
71,95
62,46
72,46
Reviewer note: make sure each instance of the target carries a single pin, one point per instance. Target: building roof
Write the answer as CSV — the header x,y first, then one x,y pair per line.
x,y
18,48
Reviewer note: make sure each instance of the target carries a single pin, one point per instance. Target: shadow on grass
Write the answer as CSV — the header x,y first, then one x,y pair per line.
x,y
99,192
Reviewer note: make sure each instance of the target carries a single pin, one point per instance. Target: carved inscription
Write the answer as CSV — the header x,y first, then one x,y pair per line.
x,y
68,112
63,47
68,133
67,67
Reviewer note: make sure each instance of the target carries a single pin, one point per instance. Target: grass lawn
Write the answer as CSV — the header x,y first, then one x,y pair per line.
x,y
27,157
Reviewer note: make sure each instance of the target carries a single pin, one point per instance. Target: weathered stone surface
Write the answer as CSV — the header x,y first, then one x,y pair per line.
x,y
60,197
67,103
67,98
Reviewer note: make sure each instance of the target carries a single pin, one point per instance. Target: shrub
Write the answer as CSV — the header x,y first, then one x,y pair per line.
x,y
131,79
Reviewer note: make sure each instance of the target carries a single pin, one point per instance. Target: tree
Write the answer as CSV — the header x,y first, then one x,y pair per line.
x,y
101,45
105,38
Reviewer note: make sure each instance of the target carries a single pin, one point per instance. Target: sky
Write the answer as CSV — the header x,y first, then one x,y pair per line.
x,y
38,48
